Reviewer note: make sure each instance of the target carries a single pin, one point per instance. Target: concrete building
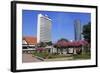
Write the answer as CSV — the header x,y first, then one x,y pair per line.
x,y
78,30
43,28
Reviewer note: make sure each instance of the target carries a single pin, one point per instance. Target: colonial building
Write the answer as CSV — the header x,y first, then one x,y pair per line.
x,y
28,43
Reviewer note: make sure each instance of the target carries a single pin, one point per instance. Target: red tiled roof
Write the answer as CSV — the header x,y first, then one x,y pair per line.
x,y
30,40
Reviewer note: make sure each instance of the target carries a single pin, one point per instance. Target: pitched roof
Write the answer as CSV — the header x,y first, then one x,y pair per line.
x,y
30,40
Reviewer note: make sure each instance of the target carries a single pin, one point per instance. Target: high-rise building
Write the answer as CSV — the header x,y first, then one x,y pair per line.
x,y
43,28
77,27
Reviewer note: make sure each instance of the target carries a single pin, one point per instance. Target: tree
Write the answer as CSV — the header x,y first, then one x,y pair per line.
x,y
42,44
49,43
57,47
63,39
61,44
50,46
87,32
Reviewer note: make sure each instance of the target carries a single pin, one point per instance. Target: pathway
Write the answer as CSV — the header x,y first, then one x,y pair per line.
x,y
28,58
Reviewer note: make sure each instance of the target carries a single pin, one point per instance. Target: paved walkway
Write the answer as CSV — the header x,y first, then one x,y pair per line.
x,y
28,58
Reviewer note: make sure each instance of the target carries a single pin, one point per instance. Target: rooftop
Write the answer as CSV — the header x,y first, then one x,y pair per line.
x,y
30,40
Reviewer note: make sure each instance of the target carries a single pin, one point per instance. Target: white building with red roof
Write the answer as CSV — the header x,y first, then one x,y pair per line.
x,y
28,43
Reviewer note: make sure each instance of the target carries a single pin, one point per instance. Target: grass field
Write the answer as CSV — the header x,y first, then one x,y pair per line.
x,y
46,55
83,55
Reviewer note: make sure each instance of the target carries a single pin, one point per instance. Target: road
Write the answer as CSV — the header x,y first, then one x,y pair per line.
x,y
28,58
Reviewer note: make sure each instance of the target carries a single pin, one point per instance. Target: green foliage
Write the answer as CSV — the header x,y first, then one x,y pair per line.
x,y
87,32
84,55
63,39
47,55
49,43
43,54
52,56
42,44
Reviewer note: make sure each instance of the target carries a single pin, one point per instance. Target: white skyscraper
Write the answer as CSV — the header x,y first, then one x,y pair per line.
x,y
43,28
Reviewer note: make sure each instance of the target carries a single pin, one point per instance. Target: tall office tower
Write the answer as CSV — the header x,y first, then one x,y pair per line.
x,y
43,28
78,31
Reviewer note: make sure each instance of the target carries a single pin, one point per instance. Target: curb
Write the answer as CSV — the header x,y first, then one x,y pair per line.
x,y
39,58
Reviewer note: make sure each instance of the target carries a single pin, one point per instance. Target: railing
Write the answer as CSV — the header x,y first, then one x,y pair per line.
x,y
28,51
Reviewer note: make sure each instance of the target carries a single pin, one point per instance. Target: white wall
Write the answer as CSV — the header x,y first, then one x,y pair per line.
x,y
5,37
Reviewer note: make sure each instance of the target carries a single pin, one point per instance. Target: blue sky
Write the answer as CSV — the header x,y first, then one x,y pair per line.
x,y
62,23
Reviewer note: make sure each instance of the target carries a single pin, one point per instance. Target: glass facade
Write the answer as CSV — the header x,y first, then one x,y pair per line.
x,y
77,27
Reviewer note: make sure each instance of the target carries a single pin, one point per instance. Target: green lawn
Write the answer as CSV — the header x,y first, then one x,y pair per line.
x,y
86,55
47,55
52,56
40,54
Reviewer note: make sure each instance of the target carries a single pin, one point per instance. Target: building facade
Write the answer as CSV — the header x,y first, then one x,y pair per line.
x,y
43,28
28,44
77,30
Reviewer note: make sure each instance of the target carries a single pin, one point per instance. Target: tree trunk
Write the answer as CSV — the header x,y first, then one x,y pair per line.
x,y
67,51
57,50
52,50
61,50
